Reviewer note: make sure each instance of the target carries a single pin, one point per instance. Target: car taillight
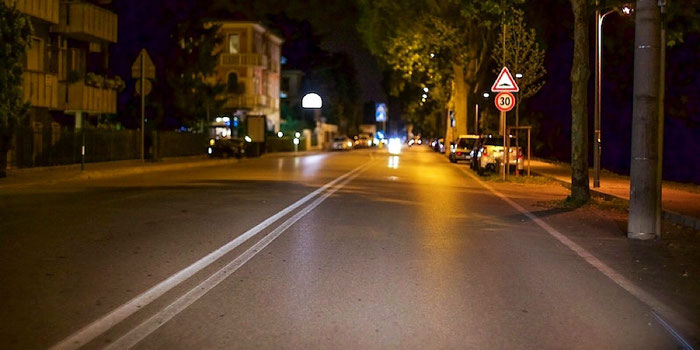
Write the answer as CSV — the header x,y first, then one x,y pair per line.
x,y
485,152
459,153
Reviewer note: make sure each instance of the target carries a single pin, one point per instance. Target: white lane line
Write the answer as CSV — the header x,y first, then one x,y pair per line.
x,y
624,283
150,325
106,322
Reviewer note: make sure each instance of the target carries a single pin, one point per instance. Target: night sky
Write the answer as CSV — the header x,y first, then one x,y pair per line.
x,y
142,24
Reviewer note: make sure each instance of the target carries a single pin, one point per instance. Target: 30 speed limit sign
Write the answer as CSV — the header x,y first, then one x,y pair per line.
x,y
505,101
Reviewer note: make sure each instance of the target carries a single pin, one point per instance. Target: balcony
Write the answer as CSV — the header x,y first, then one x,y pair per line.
x,y
87,22
245,102
93,100
243,59
40,89
46,10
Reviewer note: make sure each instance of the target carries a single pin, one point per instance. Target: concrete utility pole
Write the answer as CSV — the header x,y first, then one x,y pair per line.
x,y
645,122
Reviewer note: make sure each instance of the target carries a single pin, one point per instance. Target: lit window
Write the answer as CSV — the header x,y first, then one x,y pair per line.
x,y
234,43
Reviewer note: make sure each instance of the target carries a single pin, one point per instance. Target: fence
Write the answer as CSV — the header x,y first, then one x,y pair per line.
x,y
52,145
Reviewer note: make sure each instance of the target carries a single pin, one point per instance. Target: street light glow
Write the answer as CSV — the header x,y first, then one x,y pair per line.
x,y
297,134
425,89
280,134
518,75
248,139
432,55
486,95
311,100
627,10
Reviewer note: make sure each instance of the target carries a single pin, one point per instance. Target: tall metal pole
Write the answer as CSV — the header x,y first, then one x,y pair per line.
x,y
503,115
143,108
662,95
645,122
596,110
476,119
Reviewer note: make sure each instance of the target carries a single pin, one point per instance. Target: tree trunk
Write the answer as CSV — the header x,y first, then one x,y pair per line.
x,y
4,148
645,114
460,100
580,73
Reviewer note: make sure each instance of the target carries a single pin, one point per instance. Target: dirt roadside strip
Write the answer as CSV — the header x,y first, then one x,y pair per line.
x,y
673,216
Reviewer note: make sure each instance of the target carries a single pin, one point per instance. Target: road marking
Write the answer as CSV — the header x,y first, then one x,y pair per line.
x,y
646,298
150,325
106,322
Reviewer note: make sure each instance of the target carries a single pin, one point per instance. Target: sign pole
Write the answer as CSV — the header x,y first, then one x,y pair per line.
x,y
143,110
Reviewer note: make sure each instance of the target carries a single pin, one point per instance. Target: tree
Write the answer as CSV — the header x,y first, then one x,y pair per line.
x,y
444,43
15,29
193,43
580,72
524,56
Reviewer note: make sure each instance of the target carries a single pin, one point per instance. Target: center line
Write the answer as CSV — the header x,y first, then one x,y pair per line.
x,y
106,322
150,325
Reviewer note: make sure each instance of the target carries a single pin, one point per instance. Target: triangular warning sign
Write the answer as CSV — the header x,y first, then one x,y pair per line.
x,y
505,82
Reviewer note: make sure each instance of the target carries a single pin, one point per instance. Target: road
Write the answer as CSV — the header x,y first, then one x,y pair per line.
x,y
333,250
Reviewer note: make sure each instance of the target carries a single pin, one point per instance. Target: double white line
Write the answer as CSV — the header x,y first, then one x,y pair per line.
x,y
105,323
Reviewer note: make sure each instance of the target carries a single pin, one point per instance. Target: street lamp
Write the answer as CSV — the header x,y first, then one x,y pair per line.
x,y
486,95
626,10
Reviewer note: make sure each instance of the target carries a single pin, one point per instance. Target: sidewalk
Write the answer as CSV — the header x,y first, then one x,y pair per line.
x,y
62,173
680,202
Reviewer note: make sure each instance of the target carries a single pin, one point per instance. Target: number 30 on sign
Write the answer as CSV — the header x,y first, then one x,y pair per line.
x,y
505,101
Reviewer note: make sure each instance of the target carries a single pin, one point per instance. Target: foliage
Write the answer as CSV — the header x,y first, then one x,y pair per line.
x,y
523,55
192,47
15,29
430,42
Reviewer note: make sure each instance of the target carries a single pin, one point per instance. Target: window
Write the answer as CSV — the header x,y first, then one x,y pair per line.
x,y
35,54
232,84
234,43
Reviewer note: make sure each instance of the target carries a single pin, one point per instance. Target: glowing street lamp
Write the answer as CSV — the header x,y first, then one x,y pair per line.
x,y
311,101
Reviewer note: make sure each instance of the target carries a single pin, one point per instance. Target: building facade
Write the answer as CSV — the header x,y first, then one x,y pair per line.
x,y
249,65
67,60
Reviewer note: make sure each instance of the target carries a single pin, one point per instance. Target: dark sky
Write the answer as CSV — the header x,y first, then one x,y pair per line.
x,y
141,24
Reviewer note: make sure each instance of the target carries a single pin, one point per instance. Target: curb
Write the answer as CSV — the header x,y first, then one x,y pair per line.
x,y
676,218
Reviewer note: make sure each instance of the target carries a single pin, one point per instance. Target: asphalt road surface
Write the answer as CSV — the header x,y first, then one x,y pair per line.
x,y
350,250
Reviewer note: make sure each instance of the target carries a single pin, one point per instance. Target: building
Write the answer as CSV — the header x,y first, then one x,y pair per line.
x,y
65,73
249,65
67,61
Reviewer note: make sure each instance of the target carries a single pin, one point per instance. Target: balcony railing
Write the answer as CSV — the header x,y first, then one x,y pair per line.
x,y
85,21
243,59
40,89
81,97
46,10
245,101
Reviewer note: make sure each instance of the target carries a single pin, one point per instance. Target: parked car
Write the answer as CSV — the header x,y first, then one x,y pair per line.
x,y
342,143
462,149
489,154
225,148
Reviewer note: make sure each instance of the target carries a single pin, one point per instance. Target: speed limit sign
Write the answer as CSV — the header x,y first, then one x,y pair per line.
x,y
505,101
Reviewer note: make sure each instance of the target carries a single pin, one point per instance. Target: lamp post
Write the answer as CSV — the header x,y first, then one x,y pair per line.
x,y
597,148
311,101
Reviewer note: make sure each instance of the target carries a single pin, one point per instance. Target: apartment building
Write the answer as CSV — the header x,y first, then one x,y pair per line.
x,y
66,64
249,65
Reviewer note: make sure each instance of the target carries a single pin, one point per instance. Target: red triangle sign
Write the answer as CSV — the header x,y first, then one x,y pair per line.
x,y
505,82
